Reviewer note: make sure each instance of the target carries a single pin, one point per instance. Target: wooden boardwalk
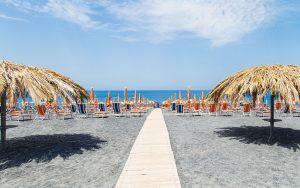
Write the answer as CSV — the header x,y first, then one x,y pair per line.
x,y
151,161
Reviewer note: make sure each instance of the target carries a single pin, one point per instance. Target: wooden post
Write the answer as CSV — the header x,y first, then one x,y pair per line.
x,y
254,98
3,119
272,117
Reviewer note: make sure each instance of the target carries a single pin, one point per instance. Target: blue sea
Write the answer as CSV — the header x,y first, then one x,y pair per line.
x,y
154,95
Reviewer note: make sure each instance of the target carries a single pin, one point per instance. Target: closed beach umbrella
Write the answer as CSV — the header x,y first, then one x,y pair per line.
x,y
203,100
92,95
140,99
118,97
108,100
125,94
179,97
175,96
188,93
135,96
260,80
40,83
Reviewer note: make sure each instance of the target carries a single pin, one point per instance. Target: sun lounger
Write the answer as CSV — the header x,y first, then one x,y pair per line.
x,y
263,112
212,110
100,112
135,112
82,113
278,107
179,109
173,106
20,115
296,113
117,110
225,111
197,109
64,114
42,113
246,109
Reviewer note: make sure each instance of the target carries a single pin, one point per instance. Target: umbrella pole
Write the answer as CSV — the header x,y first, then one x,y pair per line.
x,y
3,119
272,117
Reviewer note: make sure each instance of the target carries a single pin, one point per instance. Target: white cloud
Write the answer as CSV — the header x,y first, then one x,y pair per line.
x,y
3,16
220,21
72,12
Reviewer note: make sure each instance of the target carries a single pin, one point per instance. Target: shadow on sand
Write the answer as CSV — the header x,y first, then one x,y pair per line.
x,y
283,137
11,126
44,148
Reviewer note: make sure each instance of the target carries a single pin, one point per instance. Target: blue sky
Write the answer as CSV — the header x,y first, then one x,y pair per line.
x,y
150,44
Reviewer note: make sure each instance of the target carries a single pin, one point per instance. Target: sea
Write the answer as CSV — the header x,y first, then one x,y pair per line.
x,y
153,95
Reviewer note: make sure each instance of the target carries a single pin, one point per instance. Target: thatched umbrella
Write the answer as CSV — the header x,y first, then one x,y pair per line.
x,y
283,80
40,83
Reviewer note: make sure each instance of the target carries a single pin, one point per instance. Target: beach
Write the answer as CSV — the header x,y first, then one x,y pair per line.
x,y
233,151
67,153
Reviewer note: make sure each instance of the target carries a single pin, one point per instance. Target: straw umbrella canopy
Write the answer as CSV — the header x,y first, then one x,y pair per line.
x,y
283,80
40,83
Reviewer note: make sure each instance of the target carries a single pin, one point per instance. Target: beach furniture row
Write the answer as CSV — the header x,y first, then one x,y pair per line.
x,y
228,109
84,110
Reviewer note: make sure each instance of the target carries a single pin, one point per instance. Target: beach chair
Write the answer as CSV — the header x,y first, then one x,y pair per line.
x,y
204,108
64,114
102,107
263,111
117,110
224,110
179,109
212,110
73,109
42,113
197,109
236,109
127,107
19,115
82,113
295,112
246,109
187,108
278,107
173,107
100,111
135,112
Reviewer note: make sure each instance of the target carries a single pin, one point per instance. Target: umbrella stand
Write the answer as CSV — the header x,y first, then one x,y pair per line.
x,y
3,119
272,117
